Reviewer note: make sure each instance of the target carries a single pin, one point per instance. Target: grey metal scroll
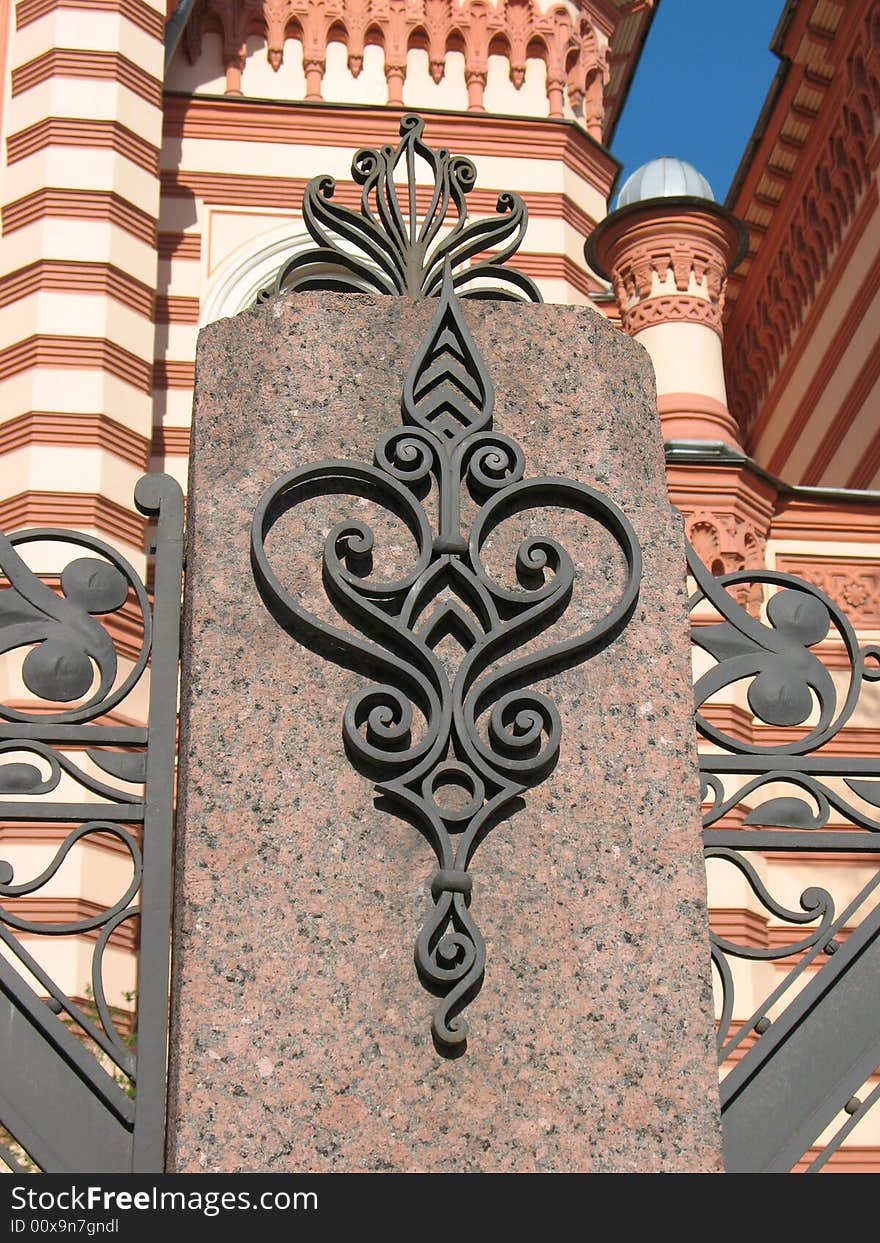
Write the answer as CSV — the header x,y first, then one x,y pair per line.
x,y
807,1050
77,1092
406,231
483,730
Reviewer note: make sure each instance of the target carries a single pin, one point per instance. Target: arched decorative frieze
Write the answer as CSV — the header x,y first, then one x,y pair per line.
x,y
760,335
726,543
574,52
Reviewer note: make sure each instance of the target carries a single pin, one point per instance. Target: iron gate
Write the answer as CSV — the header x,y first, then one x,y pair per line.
x,y
79,1092
803,1059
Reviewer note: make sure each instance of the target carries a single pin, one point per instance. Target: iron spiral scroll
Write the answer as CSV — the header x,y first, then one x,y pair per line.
x,y
79,643
481,729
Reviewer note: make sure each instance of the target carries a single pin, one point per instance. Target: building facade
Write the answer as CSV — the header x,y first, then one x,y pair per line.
x,y
153,169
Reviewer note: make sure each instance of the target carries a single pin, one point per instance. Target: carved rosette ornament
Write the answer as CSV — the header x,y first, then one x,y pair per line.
x,y
422,729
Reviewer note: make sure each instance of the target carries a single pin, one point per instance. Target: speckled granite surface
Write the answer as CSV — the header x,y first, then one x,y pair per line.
x,y
300,1031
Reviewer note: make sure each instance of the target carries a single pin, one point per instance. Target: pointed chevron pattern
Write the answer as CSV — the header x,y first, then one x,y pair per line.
x,y
448,391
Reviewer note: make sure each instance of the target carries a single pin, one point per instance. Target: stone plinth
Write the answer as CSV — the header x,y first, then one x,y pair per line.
x,y
301,1034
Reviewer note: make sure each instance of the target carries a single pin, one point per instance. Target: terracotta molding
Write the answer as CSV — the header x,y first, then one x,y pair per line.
x,y
816,858
699,403
694,416
737,924
72,63
832,177
726,542
90,353
72,509
75,132
147,19
173,374
4,51
626,28
81,431
76,64
849,1159
830,360
671,309
800,62
675,239
54,833
573,50
553,205
176,310
235,190
740,493
171,441
832,654
850,741
850,408
749,928
75,277
742,1048
779,936
297,124
45,708
853,583
179,246
555,267
819,522
45,910
751,197
80,205
286,193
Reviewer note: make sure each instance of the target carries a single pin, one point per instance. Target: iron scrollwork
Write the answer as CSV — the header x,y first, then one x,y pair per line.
x,y
76,644
389,246
787,688
480,729
778,788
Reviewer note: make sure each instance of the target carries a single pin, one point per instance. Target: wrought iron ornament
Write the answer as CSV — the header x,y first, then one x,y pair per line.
x,y
389,247
84,1118
797,798
480,732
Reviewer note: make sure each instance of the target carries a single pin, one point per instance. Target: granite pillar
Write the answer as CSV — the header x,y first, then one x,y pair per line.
x,y
301,1035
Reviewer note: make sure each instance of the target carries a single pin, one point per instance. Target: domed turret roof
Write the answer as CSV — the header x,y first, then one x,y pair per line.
x,y
664,178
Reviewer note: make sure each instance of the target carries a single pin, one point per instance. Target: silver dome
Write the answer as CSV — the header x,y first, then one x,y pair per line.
x,y
664,178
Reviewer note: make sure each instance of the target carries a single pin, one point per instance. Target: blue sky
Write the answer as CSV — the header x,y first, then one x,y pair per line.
x,y
699,87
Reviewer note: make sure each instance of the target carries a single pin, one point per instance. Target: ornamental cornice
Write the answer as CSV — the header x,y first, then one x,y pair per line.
x,y
787,271
573,49
672,308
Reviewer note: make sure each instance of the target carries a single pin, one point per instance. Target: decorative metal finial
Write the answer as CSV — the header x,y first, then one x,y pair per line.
x,y
426,731
390,247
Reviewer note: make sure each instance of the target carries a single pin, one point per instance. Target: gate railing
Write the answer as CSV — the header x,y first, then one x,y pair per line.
x,y
805,1058
75,1095
81,641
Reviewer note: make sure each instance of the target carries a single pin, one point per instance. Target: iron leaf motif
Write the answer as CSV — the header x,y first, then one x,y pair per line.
x,y
451,749
391,245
